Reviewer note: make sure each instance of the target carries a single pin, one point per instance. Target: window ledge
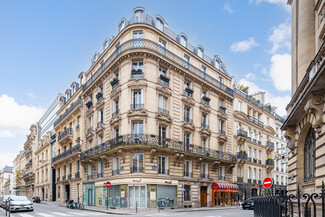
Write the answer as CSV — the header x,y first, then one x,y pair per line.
x,y
304,184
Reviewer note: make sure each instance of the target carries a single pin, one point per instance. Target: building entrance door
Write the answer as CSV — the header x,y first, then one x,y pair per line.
x,y
90,197
67,192
204,196
137,195
42,193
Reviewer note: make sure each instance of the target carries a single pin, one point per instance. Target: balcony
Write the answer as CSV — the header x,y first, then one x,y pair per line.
x,y
188,92
204,176
136,169
77,175
99,96
249,180
254,181
242,133
29,163
255,121
137,73
188,174
259,161
269,144
205,100
115,83
163,171
99,123
77,103
115,113
66,135
222,109
90,177
153,46
242,155
154,141
27,175
115,172
100,174
259,182
163,81
188,120
137,106
240,179
163,111
65,154
64,177
269,162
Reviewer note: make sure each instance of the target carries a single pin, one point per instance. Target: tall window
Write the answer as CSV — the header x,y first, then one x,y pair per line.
x,y
221,125
138,16
187,192
162,46
222,173
122,25
137,163
137,128
309,155
116,166
259,174
204,145
200,52
137,99
163,165
249,173
137,65
100,140
187,140
188,114
205,123
239,106
162,135
188,168
100,169
90,171
186,61
116,106
254,173
116,132
205,170
162,103
100,117
90,121
137,39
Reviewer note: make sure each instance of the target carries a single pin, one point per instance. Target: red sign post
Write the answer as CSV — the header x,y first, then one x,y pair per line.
x,y
268,182
108,184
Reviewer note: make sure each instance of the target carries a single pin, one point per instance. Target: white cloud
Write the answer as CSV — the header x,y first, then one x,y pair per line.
x,y
7,158
250,76
281,38
282,3
31,95
16,117
227,7
280,71
278,101
243,46
6,134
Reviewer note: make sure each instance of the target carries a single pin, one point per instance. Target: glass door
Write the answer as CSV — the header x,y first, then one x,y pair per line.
x,y
137,196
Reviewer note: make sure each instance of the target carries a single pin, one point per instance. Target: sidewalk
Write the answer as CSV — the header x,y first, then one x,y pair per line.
x,y
131,211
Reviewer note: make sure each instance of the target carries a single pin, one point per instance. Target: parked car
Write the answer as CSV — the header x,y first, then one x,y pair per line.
x,y
36,199
248,204
3,200
19,203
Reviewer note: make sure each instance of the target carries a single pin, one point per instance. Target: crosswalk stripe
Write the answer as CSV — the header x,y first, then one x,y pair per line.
x,y
45,215
61,214
25,215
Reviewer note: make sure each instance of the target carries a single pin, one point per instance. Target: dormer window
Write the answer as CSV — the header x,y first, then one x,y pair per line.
x,y
138,15
106,43
81,80
183,41
200,52
73,89
159,24
217,64
122,25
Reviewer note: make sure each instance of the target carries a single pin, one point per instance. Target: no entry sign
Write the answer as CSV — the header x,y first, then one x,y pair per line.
x,y
108,184
267,182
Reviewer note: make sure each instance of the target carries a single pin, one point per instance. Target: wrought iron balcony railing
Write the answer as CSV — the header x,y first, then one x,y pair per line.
x,y
153,140
115,113
68,111
222,178
115,172
205,125
135,169
255,121
249,180
269,144
241,132
204,176
137,106
137,74
67,131
90,176
188,174
163,171
259,182
163,81
100,174
73,150
188,119
163,111
115,83
242,155
269,162
240,179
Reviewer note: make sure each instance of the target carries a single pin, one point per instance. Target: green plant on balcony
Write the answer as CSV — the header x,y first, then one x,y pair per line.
x,y
242,151
270,159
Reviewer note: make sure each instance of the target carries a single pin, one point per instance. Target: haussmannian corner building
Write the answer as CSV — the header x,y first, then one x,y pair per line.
x,y
304,125
157,116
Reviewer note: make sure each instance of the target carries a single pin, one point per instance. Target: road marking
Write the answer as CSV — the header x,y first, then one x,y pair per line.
x,y
60,214
24,215
45,215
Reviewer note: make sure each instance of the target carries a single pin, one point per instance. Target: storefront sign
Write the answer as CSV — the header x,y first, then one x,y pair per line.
x,y
169,182
137,180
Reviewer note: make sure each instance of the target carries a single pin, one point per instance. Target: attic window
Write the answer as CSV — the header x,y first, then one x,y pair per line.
x,y
217,64
122,25
138,15
183,41
200,52
160,24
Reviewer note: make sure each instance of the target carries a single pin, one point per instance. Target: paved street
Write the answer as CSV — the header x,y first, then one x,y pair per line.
x,y
45,210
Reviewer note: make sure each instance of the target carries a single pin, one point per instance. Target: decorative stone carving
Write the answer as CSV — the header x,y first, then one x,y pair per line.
x,y
137,84
164,118
138,113
166,91
205,131
315,105
188,125
205,108
188,100
115,119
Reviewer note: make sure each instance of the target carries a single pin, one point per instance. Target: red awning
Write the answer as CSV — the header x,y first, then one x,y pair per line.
x,y
225,187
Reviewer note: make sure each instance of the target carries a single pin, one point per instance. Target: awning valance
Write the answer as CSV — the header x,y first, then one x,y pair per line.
x,y
225,187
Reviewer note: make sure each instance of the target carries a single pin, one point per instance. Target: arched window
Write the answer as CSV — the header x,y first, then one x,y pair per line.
x,y
159,24
309,155
138,14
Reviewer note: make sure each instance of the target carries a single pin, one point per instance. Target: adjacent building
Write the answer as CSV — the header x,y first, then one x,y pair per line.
x,y
6,180
254,132
304,125
18,167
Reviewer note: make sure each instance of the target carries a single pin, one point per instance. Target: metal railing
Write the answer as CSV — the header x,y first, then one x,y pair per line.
x,y
137,74
254,181
77,175
137,106
204,176
249,180
204,125
222,178
163,111
67,131
73,150
163,171
68,111
241,133
188,119
188,92
134,169
269,144
153,140
115,113
115,83
222,109
153,46
255,121
188,174
259,182
242,155
299,204
163,82
90,176
100,174
240,179
115,172
205,100
255,102
269,162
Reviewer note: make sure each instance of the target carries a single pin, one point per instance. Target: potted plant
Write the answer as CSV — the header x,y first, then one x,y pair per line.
x,y
114,81
139,71
189,90
164,77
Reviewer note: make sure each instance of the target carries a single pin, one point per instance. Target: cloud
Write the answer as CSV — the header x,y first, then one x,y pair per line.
x,y
6,134
278,101
280,71
227,7
31,95
7,158
281,38
250,76
243,46
282,3
16,117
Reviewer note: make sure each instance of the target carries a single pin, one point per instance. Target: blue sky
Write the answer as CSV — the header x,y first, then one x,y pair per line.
x,y
44,45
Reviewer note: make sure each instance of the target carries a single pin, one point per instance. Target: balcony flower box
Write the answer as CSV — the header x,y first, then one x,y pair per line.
x,y
189,90
99,95
164,78
205,98
89,104
222,108
114,81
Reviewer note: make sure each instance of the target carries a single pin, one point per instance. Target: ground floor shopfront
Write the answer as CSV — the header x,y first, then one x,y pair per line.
x,y
224,194
69,190
142,193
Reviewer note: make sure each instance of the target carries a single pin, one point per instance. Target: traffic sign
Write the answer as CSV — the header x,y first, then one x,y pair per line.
x,y
267,182
108,184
